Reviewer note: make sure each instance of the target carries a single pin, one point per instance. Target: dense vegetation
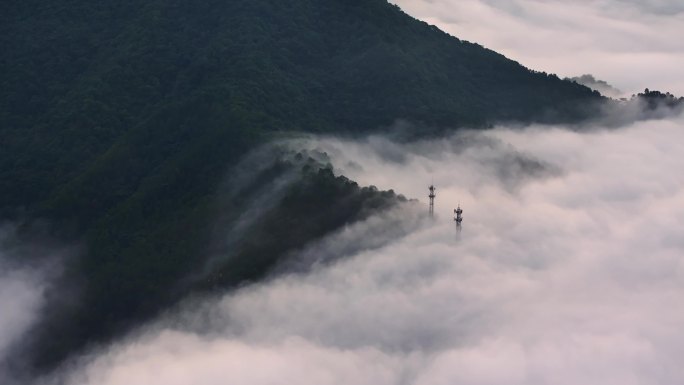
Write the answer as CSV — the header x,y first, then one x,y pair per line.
x,y
119,119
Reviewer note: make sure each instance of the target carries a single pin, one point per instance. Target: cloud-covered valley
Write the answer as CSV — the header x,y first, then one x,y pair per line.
x,y
569,269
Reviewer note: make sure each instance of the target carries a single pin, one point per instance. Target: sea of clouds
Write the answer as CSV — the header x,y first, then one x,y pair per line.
x,y
569,269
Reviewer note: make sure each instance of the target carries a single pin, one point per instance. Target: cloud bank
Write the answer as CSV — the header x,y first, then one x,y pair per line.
x,y
569,270
632,44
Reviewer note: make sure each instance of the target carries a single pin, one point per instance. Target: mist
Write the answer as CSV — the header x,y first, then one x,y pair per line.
x,y
568,270
20,298
26,274
598,85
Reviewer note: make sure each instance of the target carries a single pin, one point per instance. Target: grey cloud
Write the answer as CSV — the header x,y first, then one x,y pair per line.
x,y
491,159
20,298
31,268
23,285
664,7
599,85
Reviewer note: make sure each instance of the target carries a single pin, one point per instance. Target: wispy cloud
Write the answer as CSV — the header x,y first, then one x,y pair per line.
x,y
26,273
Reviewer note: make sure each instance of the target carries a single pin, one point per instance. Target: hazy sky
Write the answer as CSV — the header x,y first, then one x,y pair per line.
x,y
632,44
568,271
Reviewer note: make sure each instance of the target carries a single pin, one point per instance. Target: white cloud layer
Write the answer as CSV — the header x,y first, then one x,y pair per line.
x,y
632,44
569,270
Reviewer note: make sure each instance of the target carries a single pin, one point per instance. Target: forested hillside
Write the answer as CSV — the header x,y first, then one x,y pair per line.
x,y
120,119
89,85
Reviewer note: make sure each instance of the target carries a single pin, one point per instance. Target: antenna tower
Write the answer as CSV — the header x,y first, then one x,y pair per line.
x,y
458,216
432,196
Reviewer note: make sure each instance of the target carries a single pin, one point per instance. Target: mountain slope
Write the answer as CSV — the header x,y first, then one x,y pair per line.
x,y
79,76
119,119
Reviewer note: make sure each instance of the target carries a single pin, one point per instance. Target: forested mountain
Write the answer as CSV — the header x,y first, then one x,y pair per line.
x,y
87,85
120,119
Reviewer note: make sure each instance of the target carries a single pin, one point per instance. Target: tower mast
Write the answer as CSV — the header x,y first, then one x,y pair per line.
x,y
459,216
432,196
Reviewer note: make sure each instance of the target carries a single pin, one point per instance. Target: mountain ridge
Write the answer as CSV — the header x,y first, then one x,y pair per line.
x,y
119,121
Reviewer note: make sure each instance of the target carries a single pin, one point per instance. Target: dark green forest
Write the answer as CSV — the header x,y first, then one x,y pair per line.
x,y
122,121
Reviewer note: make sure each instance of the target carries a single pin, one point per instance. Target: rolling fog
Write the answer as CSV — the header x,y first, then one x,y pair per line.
x,y
568,270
